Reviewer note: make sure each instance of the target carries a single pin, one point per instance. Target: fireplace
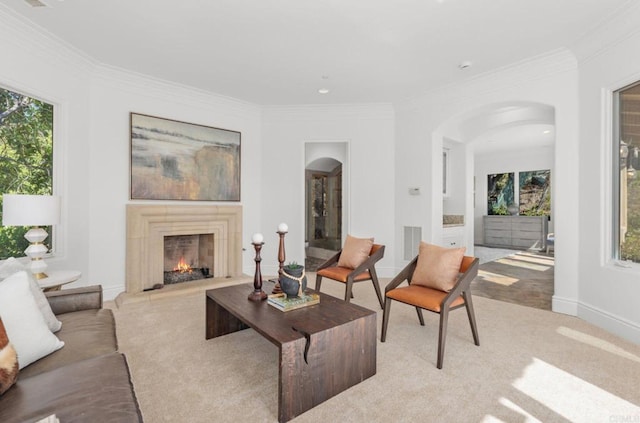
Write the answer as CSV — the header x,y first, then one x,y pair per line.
x,y
188,258
218,230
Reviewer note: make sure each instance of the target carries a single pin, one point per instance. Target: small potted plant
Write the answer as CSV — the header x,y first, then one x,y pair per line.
x,y
293,280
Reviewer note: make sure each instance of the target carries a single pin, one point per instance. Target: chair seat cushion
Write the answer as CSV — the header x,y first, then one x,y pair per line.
x,y
340,274
423,297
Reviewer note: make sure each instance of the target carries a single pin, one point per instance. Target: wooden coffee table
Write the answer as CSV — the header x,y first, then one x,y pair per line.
x,y
324,348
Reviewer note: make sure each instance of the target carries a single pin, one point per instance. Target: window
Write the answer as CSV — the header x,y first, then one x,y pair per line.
x,y
626,181
26,158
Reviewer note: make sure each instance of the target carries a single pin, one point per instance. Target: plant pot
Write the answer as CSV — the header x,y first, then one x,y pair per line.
x,y
293,281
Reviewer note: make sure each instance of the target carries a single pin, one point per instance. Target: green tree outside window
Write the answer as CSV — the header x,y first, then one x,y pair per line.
x,y
26,158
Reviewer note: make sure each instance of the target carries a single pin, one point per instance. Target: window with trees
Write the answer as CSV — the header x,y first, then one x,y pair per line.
x,y
626,181
26,158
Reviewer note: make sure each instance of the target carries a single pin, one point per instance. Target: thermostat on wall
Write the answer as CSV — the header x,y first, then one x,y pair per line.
x,y
414,191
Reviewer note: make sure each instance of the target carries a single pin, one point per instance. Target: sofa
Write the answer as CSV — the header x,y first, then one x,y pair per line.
x,y
87,380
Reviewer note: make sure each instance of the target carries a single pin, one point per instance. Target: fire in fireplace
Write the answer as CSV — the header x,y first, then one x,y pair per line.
x,y
188,258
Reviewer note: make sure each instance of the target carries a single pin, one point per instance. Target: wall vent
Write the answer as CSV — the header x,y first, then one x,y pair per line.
x,y
412,238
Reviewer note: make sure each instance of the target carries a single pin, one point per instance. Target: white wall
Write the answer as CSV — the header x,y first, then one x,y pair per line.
x,y
548,80
114,95
505,162
91,152
368,211
32,64
454,202
608,294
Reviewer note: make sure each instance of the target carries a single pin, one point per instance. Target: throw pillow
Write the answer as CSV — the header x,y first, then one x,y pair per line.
x,y
11,266
24,322
355,251
437,267
8,361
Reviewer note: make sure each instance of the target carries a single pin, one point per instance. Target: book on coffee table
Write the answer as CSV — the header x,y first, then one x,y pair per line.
x,y
282,303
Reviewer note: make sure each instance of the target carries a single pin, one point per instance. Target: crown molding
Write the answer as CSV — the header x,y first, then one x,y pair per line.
x,y
613,29
315,112
42,44
149,86
534,68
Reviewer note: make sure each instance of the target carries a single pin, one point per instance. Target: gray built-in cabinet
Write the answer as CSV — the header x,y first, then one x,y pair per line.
x,y
516,231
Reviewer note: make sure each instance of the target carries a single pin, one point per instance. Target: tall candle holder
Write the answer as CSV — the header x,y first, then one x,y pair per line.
x,y
258,294
282,231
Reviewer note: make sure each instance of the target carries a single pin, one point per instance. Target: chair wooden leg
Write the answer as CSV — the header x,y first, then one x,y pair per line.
x,y
376,286
444,317
420,316
472,317
348,295
318,282
385,318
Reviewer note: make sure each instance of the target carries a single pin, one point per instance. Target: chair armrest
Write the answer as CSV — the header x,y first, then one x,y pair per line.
x,y
464,281
404,275
76,299
331,261
369,262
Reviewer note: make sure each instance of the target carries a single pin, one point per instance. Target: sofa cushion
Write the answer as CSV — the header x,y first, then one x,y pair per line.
x,y
86,334
11,266
24,322
8,361
98,389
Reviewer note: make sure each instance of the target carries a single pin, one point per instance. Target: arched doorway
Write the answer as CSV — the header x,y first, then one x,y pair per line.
x,y
323,210
513,139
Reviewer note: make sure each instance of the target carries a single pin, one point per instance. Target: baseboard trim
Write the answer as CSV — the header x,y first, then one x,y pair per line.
x,y
615,324
564,305
112,292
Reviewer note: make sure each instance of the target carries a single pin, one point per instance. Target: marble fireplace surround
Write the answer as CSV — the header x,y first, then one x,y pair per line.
x,y
147,225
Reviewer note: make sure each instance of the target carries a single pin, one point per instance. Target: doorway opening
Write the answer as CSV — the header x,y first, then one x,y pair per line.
x,y
323,228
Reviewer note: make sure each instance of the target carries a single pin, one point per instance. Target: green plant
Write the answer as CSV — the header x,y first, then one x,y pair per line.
x,y
293,265
500,210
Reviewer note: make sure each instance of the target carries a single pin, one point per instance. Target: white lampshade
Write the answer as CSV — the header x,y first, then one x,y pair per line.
x,y
30,210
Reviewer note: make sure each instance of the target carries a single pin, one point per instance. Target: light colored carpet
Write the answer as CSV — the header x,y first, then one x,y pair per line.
x,y
532,365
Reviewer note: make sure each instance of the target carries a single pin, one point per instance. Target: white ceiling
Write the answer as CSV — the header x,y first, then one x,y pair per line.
x,y
275,52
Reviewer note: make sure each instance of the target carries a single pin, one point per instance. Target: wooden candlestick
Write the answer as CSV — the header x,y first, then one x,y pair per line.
x,y
258,294
281,259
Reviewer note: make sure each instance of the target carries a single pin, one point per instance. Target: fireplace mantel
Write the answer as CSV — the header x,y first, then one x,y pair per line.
x,y
147,225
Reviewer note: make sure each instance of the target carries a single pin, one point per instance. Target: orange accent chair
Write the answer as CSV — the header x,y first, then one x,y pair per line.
x,y
434,300
364,272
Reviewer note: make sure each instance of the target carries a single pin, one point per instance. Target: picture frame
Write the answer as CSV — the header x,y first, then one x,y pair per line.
x,y
175,160
535,192
500,193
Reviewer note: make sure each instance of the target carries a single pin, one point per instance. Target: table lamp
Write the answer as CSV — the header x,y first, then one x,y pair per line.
x,y
32,210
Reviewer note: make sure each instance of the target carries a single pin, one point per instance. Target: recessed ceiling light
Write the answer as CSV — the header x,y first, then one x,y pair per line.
x,y
546,131
323,90
464,65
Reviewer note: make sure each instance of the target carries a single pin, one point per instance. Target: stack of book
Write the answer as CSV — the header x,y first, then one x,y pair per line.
x,y
282,303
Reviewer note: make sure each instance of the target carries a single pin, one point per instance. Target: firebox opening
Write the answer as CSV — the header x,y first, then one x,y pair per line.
x,y
188,258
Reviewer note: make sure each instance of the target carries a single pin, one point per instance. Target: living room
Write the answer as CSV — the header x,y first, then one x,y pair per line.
x,y
397,144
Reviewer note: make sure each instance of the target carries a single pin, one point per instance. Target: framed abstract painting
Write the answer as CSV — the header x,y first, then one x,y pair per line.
x,y
500,193
173,160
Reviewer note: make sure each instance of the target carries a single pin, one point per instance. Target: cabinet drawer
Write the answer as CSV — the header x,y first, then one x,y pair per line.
x,y
522,234
526,243
495,240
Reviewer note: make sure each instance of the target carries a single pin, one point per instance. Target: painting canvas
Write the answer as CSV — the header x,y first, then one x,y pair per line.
x,y
500,193
172,160
535,193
